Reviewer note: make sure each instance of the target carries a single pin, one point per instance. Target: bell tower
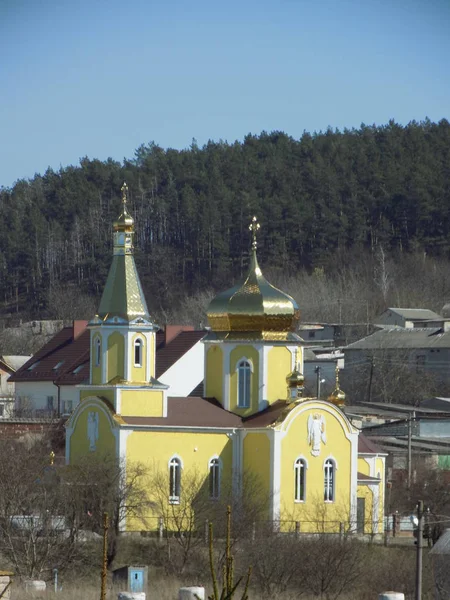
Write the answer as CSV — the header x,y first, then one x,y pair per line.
x,y
122,332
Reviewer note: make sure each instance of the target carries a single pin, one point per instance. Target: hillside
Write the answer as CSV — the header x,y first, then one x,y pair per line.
x,y
323,201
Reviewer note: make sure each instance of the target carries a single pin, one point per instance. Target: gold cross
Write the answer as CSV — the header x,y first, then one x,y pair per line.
x,y
124,190
254,228
337,376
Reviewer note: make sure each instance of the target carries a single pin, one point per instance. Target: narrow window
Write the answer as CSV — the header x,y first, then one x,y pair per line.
x,y
174,480
329,469
97,352
138,353
299,480
214,478
244,382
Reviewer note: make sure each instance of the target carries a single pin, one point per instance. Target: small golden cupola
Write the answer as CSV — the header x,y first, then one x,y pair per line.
x,y
123,299
337,397
295,381
254,306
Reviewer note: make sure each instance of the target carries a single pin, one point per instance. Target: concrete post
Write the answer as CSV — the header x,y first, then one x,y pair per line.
x,y
161,529
297,528
391,596
191,593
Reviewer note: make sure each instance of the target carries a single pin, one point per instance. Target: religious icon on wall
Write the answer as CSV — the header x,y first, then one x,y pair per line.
x,y
92,430
316,432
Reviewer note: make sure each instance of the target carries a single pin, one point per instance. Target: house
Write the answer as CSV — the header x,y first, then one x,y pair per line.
x,y
406,317
440,561
8,366
46,385
421,350
310,462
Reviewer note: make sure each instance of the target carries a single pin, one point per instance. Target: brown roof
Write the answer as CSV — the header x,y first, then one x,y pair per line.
x,y
191,412
62,350
167,355
267,416
367,478
366,446
74,356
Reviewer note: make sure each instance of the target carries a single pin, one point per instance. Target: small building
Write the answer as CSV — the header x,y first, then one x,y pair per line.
x,y
406,318
440,561
131,578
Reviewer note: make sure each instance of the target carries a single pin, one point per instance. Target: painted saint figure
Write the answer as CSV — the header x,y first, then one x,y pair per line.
x,y
316,432
92,430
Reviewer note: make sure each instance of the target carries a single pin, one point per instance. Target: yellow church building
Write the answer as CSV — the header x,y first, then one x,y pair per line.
x,y
311,462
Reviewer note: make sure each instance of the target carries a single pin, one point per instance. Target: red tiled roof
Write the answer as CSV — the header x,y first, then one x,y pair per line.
x,y
62,348
366,446
168,355
190,412
75,353
267,416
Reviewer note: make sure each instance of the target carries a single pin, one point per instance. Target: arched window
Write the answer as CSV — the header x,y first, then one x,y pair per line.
x,y
300,480
214,478
98,351
138,353
174,480
329,480
244,383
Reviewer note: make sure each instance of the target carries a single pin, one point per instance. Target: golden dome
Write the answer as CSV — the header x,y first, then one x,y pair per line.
x,y
254,305
295,378
125,222
338,396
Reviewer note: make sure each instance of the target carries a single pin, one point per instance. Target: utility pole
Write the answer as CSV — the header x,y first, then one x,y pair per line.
x,y
105,555
317,370
411,417
419,550
372,365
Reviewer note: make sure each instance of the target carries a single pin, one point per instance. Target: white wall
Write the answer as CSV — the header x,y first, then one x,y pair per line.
x,y
36,393
69,394
186,373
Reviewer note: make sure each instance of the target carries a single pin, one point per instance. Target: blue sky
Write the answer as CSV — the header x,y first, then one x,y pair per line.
x,y
98,78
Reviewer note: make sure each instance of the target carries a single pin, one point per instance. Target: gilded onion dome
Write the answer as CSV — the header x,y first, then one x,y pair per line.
x,y
255,305
125,221
337,397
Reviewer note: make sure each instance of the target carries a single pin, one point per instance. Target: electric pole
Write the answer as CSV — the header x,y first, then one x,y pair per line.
x,y
419,550
317,370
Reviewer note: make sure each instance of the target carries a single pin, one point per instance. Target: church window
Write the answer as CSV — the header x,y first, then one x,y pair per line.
x,y
244,382
329,480
214,478
138,353
97,352
300,480
174,480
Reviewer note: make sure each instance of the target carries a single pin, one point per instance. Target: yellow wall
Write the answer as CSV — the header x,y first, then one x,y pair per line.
x,y
138,374
256,462
279,365
315,514
142,403
236,355
154,449
214,373
371,510
79,442
363,466
96,371
116,354
108,394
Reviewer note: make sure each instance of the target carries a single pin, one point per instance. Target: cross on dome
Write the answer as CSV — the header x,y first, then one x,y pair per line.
x,y
254,227
124,190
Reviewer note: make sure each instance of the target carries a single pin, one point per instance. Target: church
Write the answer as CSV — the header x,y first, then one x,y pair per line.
x,y
253,417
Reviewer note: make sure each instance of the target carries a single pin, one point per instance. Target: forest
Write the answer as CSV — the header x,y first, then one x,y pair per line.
x,y
351,221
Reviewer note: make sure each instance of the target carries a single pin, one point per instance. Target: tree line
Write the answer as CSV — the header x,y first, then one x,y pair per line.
x,y
324,201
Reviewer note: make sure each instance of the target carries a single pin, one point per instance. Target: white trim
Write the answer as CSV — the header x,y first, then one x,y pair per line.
x,y
304,461
333,479
175,499
127,370
139,340
330,457
275,474
178,457
226,350
236,465
219,483
241,364
264,379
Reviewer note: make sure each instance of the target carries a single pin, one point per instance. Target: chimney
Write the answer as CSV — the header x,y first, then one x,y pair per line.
x,y
78,328
171,332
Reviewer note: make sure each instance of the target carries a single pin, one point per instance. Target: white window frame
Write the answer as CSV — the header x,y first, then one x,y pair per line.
x,y
300,466
98,351
327,496
138,343
174,485
241,365
214,470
